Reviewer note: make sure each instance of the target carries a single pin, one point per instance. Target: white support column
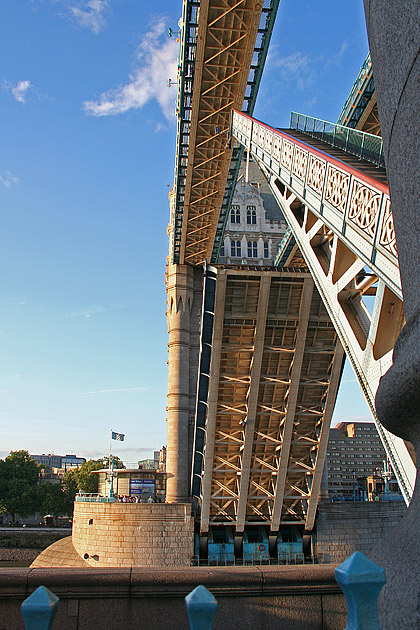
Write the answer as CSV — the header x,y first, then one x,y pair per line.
x,y
305,307
259,336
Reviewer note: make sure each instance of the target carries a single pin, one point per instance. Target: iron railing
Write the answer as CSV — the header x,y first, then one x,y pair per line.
x,y
363,145
93,497
361,84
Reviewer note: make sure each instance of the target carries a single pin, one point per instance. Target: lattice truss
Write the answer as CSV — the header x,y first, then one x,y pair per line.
x,y
278,369
342,222
226,35
367,314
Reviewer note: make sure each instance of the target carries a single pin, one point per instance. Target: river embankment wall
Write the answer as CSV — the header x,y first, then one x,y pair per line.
x,y
23,545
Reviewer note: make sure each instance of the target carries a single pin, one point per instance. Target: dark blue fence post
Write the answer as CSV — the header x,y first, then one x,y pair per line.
x,y
361,581
201,608
39,609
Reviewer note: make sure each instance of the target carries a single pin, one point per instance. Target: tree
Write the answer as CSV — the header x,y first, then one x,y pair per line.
x,y
86,481
116,461
83,478
52,499
19,475
69,484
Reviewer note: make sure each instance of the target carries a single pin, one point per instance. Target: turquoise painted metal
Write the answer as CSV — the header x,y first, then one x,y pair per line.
x,y
361,581
201,608
363,145
358,99
39,609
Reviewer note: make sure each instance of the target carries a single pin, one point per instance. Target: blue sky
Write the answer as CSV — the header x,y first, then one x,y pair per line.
x,y
86,159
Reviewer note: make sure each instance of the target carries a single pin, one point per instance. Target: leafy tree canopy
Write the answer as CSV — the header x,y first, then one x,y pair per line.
x,y
19,475
52,499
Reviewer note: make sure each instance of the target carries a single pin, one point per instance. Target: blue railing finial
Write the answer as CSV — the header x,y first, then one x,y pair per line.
x,y
361,581
201,608
39,609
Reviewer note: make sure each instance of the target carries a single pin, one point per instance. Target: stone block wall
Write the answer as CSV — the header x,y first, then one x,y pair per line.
x,y
343,528
249,598
133,534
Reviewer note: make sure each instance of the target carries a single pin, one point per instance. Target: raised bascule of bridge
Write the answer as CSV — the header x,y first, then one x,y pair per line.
x,y
256,354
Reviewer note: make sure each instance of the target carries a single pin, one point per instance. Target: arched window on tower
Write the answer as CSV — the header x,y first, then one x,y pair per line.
x,y
251,215
266,252
252,249
222,249
235,249
235,214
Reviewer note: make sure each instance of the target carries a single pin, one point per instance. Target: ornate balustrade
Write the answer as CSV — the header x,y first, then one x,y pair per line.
x,y
352,204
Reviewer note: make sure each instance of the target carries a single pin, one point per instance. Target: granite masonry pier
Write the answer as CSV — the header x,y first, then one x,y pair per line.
x,y
343,528
125,535
249,598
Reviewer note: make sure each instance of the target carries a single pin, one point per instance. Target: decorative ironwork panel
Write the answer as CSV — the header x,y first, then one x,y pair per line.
x,y
255,131
316,174
287,155
268,140
364,207
261,134
276,147
337,188
300,162
387,237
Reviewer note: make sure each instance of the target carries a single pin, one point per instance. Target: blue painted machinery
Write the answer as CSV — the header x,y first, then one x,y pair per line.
x,y
220,546
255,545
290,545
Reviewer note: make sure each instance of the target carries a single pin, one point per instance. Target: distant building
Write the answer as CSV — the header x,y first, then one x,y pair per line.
x,y
72,461
147,464
48,461
255,225
354,453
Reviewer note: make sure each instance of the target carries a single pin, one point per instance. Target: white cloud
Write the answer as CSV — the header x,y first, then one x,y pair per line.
x,y
88,311
292,64
296,68
156,62
8,179
20,90
90,14
335,59
121,391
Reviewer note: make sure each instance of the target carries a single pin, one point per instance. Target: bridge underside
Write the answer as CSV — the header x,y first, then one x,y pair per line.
x,y
340,219
274,375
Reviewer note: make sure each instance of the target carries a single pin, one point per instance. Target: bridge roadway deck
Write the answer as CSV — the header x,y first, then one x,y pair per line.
x,y
274,374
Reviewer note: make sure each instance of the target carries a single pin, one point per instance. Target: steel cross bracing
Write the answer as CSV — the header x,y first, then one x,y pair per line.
x,y
222,53
275,369
342,222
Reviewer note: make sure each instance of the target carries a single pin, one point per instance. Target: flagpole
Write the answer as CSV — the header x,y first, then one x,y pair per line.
x,y
111,490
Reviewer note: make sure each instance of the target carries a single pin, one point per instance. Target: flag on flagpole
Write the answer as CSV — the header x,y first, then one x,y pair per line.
x,y
117,436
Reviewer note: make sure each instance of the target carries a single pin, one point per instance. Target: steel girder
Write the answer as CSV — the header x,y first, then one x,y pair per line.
x,y
342,224
223,48
275,368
